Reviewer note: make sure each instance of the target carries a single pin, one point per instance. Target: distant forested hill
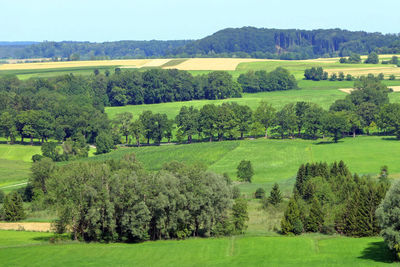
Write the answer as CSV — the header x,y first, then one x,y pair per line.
x,y
231,42
291,44
88,50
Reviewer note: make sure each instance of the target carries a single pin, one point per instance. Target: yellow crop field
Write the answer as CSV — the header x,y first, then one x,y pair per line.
x,y
213,63
133,63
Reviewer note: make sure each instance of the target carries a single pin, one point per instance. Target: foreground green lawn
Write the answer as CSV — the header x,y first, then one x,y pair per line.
x,y
32,249
273,160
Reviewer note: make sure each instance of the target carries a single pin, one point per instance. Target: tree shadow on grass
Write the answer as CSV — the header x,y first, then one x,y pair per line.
x,y
379,252
327,142
42,238
390,139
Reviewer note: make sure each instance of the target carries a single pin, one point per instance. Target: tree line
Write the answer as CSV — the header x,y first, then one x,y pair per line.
x,y
364,110
261,81
318,74
328,199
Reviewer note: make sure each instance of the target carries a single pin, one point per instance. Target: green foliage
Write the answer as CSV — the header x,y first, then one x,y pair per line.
x,y
388,215
104,143
2,196
335,124
275,197
291,221
389,120
315,219
353,59
336,197
260,193
13,209
373,58
134,205
315,74
240,215
260,81
245,171
265,115
41,172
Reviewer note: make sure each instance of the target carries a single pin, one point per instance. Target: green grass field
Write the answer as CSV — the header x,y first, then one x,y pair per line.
x,y
45,73
273,160
324,93
15,163
33,249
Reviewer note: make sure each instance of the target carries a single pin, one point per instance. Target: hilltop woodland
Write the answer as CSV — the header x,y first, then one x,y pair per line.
x,y
232,42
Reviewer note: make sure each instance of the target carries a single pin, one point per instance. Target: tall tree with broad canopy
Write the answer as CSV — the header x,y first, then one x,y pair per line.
x,y
265,114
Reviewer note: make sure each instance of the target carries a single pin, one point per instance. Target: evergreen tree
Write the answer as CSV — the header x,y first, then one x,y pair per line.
x,y
291,220
275,197
13,209
315,219
300,179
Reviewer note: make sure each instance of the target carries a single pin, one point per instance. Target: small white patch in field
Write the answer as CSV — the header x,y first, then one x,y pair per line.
x,y
348,90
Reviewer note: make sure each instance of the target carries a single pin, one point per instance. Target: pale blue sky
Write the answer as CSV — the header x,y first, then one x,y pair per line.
x,y
89,20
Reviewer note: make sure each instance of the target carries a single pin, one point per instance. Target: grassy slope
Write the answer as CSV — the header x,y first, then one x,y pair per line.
x,y
15,163
308,250
273,160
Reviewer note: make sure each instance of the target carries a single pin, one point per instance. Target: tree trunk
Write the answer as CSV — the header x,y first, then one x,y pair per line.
x,y
31,140
211,138
354,133
137,141
126,139
266,132
241,135
189,139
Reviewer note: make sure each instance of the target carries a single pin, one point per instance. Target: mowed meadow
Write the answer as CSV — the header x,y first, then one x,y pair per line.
x,y
18,248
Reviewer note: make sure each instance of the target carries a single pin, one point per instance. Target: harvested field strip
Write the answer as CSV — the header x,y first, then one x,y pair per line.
x,y
173,63
27,226
213,63
70,64
348,90
155,63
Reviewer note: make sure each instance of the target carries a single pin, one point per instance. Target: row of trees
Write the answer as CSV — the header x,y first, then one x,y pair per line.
x,y
330,199
261,81
364,110
118,200
38,108
318,74
373,58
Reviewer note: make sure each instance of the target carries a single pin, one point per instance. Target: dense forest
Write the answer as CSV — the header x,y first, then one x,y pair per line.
x,y
231,42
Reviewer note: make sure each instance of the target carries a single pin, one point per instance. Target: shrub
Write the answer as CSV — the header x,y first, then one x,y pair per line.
x,y
2,196
260,193
245,171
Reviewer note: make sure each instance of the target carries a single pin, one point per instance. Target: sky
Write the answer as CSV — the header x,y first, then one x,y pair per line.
x,y
112,20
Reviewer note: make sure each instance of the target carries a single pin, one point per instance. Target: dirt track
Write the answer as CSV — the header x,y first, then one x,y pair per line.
x,y
27,226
